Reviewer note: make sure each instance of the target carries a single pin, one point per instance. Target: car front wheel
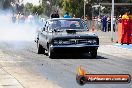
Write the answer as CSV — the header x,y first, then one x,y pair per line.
x,y
40,48
93,53
51,54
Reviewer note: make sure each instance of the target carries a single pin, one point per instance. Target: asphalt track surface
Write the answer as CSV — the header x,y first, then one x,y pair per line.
x,y
30,69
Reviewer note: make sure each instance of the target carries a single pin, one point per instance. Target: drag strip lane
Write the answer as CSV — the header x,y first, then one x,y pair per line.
x,y
61,71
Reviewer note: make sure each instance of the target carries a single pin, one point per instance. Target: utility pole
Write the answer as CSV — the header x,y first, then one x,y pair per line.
x,y
84,8
112,15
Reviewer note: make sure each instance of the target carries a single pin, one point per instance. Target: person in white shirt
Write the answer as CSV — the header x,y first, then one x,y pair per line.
x,y
30,19
99,22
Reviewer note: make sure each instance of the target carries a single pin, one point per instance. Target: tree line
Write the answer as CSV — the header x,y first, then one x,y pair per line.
x,y
74,7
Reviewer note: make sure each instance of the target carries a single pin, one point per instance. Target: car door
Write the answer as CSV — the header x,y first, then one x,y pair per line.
x,y
43,36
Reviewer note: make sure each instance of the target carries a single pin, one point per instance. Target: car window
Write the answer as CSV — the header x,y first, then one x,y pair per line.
x,y
54,24
67,24
71,24
46,26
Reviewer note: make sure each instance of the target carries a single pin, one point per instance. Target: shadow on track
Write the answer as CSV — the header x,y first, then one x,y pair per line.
x,y
78,56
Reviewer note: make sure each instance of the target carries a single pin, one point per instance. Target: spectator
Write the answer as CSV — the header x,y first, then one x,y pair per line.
x,y
119,19
74,16
109,23
66,15
125,27
18,17
55,15
82,17
114,22
22,18
104,23
125,16
86,18
99,22
30,18
13,18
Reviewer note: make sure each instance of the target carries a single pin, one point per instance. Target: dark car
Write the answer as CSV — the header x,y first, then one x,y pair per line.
x,y
66,35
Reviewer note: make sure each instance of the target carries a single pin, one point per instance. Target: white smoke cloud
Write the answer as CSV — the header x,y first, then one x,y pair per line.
x,y
15,31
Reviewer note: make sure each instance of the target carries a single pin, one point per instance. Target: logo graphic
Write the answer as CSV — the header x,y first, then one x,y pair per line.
x,y
82,78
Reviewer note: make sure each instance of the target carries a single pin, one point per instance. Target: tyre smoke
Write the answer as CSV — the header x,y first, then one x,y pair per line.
x,y
15,31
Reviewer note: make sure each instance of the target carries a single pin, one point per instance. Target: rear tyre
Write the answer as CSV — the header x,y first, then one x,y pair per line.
x,y
51,54
40,48
93,53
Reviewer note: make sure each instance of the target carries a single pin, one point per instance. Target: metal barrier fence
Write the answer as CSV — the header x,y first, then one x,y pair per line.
x,y
98,25
89,24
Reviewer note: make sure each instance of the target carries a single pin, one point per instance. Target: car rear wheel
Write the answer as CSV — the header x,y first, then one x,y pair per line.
x,y
93,53
51,54
40,48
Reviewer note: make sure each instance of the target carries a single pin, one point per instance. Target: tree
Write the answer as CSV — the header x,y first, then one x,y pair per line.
x,y
71,6
7,3
38,9
77,7
19,7
28,7
51,5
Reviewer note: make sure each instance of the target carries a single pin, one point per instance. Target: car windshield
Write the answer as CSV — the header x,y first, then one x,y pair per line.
x,y
65,24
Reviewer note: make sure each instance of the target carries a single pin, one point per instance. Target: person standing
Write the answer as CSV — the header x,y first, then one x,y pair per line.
x,y
114,22
66,15
13,18
22,18
130,17
86,18
109,23
104,23
18,17
99,22
125,28
55,14
30,18
74,16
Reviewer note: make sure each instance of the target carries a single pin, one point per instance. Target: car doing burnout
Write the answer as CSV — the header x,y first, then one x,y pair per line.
x,y
66,35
